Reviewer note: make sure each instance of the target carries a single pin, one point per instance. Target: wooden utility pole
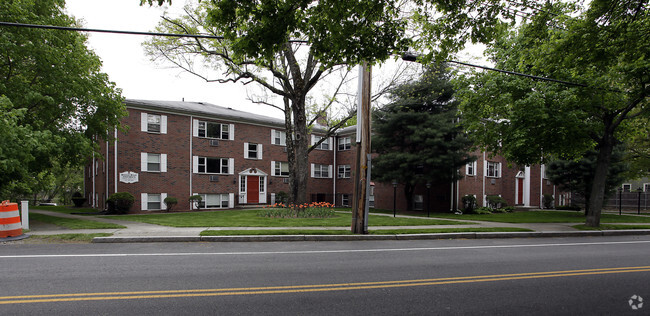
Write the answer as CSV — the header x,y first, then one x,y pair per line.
x,y
360,202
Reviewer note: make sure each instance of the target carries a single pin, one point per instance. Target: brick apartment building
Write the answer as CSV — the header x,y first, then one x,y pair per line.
x,y
233,158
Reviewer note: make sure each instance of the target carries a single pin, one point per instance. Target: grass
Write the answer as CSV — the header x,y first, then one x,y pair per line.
x,y
611,227
72,223
65,238
249,218
542,217
347,232
65,209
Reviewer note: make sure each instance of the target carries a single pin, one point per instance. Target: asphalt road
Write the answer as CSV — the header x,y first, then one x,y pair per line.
x,y
559,276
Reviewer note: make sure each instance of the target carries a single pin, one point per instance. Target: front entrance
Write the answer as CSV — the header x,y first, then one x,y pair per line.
x,y
520,191
252,186
253,189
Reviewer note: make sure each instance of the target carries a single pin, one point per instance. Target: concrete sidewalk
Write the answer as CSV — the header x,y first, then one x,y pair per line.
x,y
142,232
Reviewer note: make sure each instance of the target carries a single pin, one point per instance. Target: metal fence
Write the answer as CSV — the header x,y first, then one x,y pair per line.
x,y
629,201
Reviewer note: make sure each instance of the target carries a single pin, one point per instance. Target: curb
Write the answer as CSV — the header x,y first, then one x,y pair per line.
x,y
284,238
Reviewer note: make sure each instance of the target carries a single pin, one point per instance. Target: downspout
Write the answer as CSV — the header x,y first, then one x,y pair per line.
x,y
541,186
484,169
334,177
191,157
108,168
115,165
94,172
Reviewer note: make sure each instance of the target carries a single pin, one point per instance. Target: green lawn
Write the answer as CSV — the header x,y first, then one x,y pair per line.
x,y
347,232
72,223
249,218
65,238
542,217
611,227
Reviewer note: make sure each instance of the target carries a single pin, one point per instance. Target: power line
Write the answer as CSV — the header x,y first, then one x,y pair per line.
x,y
81,29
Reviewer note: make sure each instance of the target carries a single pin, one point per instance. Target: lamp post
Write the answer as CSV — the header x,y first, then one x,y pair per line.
x,y
638,202
394,196
428,199
620,198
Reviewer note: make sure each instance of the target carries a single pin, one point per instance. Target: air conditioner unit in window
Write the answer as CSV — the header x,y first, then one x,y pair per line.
x,y
284,149
214,142
214,178
493,181
285,180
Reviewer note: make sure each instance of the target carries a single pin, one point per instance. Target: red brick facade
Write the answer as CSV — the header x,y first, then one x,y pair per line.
x,y
247,157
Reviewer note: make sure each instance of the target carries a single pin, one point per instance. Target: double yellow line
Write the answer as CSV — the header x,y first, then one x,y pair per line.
x,y
23,299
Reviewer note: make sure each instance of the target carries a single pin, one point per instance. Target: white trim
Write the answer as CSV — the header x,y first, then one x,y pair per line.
x,y
313,170
163,162
231,200
195,128
245,150
195,164
143,122
143,201
163,124
259,151
231,131
163,206
273,168
143,161
231,165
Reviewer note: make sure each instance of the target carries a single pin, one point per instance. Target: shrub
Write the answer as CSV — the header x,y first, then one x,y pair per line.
x,y
282,197
196,200
120,202
469,203
495,201
170,202
78,199
547,200
307,210
483,210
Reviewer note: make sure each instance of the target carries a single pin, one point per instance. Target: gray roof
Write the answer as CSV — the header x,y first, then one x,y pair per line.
x,y
206,110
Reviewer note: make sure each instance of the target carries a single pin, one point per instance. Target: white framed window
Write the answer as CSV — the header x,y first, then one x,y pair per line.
x,y
214,165
325,145
213,130
280,168
153,162
345,199
493,169
252,151
627,187
470,169
278,137
646,187
153,123
153,201
344,171
321,171
215,200
345,143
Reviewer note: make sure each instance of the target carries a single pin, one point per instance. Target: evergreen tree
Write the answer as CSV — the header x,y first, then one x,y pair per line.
x,y
417,135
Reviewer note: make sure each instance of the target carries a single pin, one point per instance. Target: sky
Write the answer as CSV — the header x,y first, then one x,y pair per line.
x,y
127,65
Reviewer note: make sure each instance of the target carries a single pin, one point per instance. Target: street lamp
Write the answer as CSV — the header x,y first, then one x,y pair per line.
x,y
638,202
428,199
394,195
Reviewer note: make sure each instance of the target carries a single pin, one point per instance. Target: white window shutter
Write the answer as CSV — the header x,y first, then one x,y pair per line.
x,y
283,139
329,171
259,151
313,140
273,168
331,143
143,201
163,196
273,137
143,122
163,162
313,170
143,161
246,150
163,124
231,200
195,128
195,164
231,165
231,133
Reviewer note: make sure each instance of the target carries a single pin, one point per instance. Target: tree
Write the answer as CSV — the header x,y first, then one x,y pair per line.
x,y
417,136
577,176
600,59
53,97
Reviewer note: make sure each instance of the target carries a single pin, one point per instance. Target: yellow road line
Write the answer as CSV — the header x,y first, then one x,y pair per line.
x,y
308,288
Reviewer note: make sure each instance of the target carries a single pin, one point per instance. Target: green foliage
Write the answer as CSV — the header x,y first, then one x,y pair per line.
x,y
120,202
547,201
170,202
282,197
417,136
469,203
568,208
197,201
495,201
78,199
53,97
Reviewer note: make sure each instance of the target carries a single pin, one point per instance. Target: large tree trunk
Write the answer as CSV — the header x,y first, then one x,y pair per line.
x,y
597,196
409,189
298,158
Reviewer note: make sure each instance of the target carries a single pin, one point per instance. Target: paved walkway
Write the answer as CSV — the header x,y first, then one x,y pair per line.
x,y
137,229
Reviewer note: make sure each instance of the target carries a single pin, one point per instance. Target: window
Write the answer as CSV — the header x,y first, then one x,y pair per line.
x,y
344,143
320,171
493,169
278,137
325,145
280,168
213,165
213,130
345,200
215,200
470,169
344,171
153,162
154,202
153,123
646,187
252,151
627,187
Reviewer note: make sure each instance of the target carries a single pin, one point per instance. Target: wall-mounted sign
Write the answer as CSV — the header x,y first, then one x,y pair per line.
x,y
128,177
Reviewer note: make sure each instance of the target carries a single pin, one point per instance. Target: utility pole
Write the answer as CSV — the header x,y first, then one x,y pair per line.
x,y
359,205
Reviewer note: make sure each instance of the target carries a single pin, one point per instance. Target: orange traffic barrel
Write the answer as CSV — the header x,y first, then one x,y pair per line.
x,y
10,225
